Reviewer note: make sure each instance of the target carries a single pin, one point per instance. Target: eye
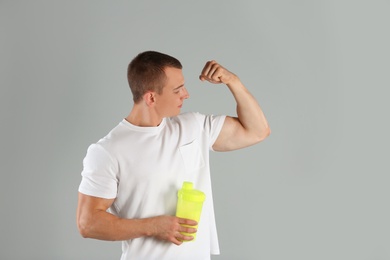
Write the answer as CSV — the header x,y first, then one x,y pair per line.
x,y
178,89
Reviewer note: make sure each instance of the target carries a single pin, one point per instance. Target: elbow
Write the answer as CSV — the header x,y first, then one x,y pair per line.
x,y
267,132
83,233
84,227
263,134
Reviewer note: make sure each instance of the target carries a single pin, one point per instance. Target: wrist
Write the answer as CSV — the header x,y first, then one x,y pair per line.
x,y
149,227
235,83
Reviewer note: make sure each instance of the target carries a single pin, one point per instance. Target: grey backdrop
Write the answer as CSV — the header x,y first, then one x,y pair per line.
x,y
317,188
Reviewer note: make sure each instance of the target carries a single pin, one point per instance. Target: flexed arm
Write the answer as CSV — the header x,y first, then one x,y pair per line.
x,y
250,126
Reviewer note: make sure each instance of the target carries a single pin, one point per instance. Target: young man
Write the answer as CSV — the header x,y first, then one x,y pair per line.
x,y
131,176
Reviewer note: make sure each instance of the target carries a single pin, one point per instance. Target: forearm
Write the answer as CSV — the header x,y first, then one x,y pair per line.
x,y
249,112
105,226
94,221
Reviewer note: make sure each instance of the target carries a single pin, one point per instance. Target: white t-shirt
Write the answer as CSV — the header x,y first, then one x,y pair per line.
x,y
144,167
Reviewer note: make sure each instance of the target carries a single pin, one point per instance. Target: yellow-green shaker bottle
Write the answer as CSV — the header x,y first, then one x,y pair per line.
x,y
189,204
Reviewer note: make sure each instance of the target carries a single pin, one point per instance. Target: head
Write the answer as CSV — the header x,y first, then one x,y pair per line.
x,y
146,73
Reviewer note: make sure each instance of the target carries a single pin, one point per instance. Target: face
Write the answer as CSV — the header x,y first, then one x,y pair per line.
x,y
170,101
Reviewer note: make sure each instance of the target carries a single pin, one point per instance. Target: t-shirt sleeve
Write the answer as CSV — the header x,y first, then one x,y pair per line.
x,y
99,177
212,125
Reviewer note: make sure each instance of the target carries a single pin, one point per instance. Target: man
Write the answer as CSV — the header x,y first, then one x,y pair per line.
x,y
131,177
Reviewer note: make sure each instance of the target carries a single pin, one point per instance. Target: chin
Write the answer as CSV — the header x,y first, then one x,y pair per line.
x,y
173,114
177,113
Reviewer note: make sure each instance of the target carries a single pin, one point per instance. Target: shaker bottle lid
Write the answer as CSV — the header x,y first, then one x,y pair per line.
x,y
188,193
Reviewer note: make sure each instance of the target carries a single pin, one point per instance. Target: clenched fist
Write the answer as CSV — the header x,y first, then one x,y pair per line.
x,y
215,73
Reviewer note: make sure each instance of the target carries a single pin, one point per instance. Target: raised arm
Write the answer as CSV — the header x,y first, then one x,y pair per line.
x,y
250,126
94,221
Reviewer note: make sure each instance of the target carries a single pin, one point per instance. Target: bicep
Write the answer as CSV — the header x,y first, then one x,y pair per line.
x,y
91,216
89,204
232,136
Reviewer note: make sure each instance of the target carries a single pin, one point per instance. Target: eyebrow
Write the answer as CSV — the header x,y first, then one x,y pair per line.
x,y
179,87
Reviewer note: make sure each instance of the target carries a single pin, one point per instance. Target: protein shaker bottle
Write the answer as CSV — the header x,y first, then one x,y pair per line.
x,y
189,204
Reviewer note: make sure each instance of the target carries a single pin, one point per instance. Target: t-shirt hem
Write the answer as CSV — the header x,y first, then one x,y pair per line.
x,y
94,194
221,121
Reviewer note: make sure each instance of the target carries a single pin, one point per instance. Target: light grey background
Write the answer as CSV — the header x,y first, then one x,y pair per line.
x,y
317,188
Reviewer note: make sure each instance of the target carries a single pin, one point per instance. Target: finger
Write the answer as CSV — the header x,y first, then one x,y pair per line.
x,y
215,74
185,221
186,229
182,237
214,71
176,241
206,70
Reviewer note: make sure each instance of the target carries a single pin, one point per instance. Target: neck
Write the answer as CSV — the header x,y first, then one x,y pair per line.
x,y
143,116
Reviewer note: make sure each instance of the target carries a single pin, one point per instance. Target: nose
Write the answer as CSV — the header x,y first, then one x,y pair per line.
x,y
185,93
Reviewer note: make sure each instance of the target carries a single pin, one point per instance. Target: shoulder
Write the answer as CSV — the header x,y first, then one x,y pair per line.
x,y
188,118
202,120
110,140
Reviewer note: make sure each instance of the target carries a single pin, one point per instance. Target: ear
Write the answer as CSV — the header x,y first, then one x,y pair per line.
x,y
150,98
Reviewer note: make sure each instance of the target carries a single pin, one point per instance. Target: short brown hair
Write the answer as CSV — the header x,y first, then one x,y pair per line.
x,y
146,72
